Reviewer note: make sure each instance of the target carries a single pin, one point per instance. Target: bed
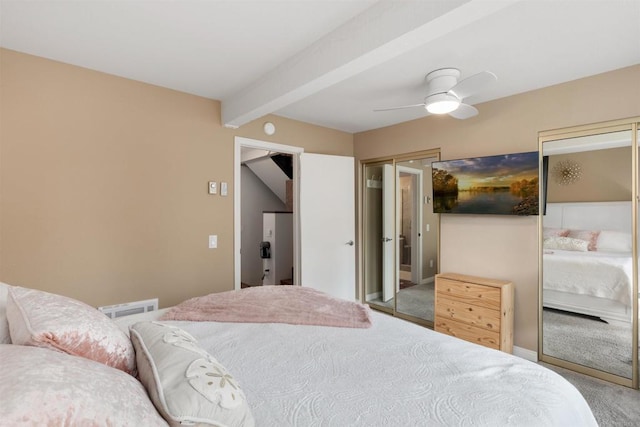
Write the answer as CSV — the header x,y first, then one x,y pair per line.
x,y
388,373
587,259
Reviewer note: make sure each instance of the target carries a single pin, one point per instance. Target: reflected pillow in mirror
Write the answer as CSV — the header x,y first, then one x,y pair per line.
x,y
554,232
566,244
590,236
614,241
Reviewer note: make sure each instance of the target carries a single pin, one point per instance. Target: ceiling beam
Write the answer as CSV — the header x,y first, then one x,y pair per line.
x,y
385,30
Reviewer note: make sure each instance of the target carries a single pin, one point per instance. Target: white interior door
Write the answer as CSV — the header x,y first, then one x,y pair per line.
x,y
327,224
388,233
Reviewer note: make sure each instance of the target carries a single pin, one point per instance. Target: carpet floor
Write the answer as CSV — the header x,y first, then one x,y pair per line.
x,y
612,405
414,300
588,341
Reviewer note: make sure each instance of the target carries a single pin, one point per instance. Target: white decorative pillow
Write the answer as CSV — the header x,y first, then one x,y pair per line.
x,y
614,241
187,385
47,320
5,336
566,244
42,387
588,235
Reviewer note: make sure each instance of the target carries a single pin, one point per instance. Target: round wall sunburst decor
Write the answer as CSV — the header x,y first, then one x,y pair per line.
x,y
567,172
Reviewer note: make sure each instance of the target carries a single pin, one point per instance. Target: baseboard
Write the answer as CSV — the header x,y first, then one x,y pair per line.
x,y
529,355
428,280
373,296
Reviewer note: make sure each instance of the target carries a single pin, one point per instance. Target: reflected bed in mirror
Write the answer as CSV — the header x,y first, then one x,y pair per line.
x,y
587,259
587,302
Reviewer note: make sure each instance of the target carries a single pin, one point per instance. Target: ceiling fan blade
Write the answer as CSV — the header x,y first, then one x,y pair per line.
x,y
473,84
400,108
464,111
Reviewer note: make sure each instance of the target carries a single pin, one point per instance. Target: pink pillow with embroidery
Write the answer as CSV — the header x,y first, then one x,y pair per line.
x,y
588,235
41,319
42,387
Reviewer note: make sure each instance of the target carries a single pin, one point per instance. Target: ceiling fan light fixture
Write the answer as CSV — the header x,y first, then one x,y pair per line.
x,y
441,103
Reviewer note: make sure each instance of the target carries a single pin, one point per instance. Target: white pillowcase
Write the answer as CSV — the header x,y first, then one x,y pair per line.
x,y
566,244
42,387
187,385
614,241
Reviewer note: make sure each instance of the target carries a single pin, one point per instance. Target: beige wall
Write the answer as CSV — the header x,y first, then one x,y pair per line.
x,y
506,247
103,183
605,177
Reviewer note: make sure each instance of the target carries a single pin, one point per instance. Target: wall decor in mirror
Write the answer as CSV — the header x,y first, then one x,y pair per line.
x,y
497,185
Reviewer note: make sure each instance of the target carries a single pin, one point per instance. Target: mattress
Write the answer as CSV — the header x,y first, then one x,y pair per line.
x,y
393,374
597,274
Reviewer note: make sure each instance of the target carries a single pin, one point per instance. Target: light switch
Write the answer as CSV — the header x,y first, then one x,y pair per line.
x,y
213,241
213,187
223,188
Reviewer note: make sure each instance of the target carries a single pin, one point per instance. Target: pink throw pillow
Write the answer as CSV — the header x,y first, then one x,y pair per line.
x,y
42,387
41,319
588,235
555,232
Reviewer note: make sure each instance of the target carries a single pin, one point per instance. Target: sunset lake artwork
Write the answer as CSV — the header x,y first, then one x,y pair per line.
x,y
499,185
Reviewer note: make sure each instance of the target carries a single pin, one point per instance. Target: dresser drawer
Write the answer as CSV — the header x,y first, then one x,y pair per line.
x,y
482,317
470,293
467,332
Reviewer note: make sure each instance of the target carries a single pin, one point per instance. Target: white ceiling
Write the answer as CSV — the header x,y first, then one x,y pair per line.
x,y
328,62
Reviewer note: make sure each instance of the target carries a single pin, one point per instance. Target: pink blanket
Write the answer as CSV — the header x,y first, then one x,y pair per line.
x,y
273,304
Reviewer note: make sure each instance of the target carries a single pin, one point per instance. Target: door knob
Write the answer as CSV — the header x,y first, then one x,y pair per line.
x,y
386,239
350,243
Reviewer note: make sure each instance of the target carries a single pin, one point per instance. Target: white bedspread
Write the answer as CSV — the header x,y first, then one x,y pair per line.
x,y
598,274
393,374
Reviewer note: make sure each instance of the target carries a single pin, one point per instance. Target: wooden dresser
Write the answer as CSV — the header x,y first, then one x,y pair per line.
x,y
475,309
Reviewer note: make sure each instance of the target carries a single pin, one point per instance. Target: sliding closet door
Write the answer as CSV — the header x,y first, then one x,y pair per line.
x,y
588,252
400,236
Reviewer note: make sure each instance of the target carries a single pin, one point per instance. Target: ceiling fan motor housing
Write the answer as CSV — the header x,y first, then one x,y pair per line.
x,y
442,80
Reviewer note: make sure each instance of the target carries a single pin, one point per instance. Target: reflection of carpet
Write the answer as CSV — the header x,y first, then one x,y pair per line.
x,y
416,301
404,284
587,341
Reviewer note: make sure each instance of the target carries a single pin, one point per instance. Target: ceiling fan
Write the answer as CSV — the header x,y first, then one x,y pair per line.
x,y
445,93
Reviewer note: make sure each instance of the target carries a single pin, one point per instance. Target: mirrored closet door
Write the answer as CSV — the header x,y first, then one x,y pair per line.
x,y
588,262
400,236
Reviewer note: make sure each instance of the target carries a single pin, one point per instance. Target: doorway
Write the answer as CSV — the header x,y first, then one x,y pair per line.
x,y
323,218
245,248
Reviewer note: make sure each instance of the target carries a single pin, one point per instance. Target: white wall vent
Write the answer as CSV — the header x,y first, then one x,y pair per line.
x,y
135,307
